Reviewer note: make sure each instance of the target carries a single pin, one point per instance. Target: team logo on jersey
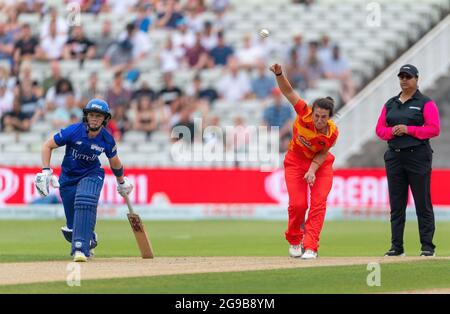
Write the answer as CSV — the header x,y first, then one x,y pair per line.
x,y
97,148
78,143
80,156
304,141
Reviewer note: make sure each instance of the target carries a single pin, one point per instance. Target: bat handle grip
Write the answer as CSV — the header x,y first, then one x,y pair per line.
x,y
127,200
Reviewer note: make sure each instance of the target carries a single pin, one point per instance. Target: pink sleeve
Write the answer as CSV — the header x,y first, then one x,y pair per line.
x,y
431,126
383,131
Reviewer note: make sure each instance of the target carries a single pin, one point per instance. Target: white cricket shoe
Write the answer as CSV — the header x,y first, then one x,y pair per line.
x,y
309,254
295,250
79,257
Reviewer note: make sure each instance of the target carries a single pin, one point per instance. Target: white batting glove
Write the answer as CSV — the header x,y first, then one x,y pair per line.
x,y
43,180
125,187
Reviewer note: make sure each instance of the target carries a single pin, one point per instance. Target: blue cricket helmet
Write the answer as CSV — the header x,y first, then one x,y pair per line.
x,y
97,105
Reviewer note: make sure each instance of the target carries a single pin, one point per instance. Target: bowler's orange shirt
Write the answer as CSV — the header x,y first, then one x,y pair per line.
x,y
306,140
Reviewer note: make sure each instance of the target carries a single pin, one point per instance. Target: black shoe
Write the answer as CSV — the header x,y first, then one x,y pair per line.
x,y
393,252
428,253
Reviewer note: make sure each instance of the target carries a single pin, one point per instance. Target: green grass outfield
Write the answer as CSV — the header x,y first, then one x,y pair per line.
x,y
22,241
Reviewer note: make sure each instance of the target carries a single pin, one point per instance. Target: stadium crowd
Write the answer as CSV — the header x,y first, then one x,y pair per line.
x,y
194,44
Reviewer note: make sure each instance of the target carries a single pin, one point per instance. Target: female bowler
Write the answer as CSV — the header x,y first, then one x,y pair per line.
x,y
81,178
307,163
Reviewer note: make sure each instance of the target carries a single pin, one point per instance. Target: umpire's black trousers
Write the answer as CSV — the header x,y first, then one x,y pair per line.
x,y
410,167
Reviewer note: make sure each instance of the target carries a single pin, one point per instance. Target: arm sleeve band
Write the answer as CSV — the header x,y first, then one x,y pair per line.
x,y
117,172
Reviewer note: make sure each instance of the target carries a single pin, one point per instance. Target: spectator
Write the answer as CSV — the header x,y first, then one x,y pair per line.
x,y
25,48
197,91
92,90
104,41
194,15
6,43
234,85
201,97
300,48
338,67
145,117
32,103
118,94
121,120
78,46
314,68
49,82
11,81
119,56
238,140
144,20
295,72
220,54
6,5
121,6
185,121
145,90
15,120
170,57
220,6
64,115
249,54
195,5
263,84
30,95
170,94
139,41
209,37
52,45
13,27
280,115
113,129
57,95
197,56
93,6
325,51
168,14
184,38
6,98
30,6
53,23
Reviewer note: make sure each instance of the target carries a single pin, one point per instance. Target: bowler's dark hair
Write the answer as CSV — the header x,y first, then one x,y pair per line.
x,y
326,103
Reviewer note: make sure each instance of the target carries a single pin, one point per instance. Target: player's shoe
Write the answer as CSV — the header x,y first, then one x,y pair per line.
x,y
79,257
428,253
309,254
393,252
67,233
295,250
92,245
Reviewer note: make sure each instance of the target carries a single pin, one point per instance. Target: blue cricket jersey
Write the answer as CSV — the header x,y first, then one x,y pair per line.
x,y
82,152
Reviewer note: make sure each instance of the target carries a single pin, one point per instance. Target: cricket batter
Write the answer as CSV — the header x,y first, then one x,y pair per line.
x,y
81,178
307,163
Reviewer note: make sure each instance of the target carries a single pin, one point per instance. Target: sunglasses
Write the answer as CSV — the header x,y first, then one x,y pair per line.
x,y
405,76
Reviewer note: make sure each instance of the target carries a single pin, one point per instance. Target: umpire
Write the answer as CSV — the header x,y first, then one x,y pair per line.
x,y
407,122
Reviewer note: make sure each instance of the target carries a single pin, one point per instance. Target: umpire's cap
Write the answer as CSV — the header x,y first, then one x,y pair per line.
x,y
409,69
97,105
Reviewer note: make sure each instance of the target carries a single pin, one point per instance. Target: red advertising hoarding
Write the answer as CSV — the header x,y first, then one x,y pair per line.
x,y
351,188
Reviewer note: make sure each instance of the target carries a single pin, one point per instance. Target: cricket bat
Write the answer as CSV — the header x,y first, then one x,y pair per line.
x,y
139,231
